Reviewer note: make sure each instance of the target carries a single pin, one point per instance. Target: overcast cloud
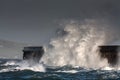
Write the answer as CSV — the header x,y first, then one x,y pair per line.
x,y
34,21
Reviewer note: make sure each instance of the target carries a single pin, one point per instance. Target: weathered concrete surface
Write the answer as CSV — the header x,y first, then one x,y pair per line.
x,y
33,53
110,52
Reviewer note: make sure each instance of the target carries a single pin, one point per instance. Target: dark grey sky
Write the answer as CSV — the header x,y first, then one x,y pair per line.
x,y
34,21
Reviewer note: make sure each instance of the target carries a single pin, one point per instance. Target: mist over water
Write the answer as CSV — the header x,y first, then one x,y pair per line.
x,y
77,44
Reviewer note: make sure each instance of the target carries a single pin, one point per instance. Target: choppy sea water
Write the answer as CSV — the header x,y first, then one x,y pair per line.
x,y
17,70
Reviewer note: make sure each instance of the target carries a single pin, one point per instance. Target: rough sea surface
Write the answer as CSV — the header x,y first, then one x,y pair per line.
x,y
12,70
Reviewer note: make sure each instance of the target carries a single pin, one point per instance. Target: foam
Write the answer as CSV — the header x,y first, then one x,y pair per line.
x,y
79,47
23,65
68,71
9,63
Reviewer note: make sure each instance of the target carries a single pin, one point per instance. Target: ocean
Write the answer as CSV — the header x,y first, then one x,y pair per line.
x,y
17,70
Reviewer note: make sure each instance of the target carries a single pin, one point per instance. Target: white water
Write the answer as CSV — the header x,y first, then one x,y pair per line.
x,y
23,65
34,67
79,47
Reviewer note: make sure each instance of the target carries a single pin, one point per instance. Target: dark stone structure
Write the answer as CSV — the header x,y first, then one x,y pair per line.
x,y
33,53
110,52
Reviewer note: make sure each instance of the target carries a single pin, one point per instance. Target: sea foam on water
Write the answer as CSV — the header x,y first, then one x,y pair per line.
x,y
23,65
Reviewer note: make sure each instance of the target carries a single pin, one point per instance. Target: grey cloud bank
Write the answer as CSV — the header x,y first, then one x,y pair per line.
x,y
34,21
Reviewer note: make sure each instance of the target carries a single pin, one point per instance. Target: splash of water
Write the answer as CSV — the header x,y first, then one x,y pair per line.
x,y
79,47
23,65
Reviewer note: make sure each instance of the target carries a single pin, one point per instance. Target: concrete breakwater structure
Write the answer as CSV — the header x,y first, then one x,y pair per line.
x,y
33,53
110,52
